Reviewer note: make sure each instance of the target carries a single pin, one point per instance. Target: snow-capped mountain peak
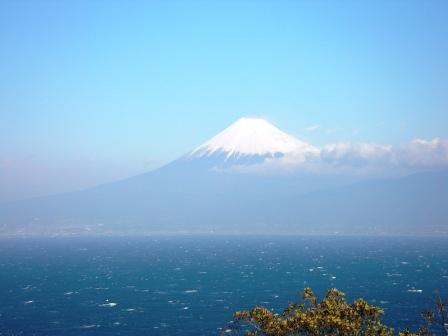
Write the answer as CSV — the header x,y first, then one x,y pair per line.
x,y
252,137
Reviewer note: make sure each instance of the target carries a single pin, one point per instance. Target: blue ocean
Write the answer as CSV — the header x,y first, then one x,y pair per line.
x,y
191,285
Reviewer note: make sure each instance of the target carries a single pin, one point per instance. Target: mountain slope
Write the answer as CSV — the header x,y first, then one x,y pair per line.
x,y
232,204
198,194
415,204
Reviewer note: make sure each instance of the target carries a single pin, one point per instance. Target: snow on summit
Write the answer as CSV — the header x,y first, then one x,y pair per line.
x,y
252,137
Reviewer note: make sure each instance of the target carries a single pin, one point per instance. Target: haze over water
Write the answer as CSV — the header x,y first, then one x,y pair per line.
x,y
191,285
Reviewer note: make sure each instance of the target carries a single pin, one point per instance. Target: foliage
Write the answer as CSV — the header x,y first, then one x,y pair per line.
x,y
333,316
436,320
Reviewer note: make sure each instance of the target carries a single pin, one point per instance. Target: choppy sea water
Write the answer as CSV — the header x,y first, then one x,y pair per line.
x,y
191,285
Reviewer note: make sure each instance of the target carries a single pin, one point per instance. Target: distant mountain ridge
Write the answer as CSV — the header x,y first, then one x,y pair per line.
x,y
198,194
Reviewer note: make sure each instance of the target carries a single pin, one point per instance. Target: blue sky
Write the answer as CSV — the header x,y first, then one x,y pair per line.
x,y
94,91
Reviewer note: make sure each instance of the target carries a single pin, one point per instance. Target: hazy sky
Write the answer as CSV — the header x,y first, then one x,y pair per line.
x,y
94,91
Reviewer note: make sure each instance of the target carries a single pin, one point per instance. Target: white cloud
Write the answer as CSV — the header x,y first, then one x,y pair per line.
x,y
417,153
312,128
362,158
356,154
424,153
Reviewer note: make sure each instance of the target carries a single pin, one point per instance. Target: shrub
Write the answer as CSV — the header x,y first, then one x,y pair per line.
x,y
333,316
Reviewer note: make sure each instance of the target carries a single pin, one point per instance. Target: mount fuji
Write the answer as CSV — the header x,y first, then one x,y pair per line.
x,y
250,141
212,189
